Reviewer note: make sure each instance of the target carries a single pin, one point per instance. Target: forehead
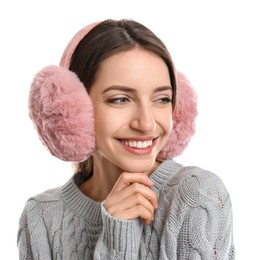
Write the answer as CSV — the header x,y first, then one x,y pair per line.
x,y
133,68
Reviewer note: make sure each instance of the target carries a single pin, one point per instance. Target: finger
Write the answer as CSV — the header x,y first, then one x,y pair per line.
x,y
135,188
126,179
146,192
138,211
130,202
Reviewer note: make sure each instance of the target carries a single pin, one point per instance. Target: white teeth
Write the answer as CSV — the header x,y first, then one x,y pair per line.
x,y
138,144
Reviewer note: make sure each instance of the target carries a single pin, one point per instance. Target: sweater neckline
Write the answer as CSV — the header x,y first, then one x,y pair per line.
x,y
80,203
91,210
163,174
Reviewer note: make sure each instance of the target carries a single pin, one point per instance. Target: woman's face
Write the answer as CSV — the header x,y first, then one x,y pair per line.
x,y
133,111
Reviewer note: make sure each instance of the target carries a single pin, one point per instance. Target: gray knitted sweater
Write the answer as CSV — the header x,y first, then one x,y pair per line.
x,y
193,221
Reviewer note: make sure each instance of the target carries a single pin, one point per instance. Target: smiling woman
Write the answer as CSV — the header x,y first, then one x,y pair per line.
x,y
118,108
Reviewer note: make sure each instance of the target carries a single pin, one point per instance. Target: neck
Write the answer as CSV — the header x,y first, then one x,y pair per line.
x,y
105,175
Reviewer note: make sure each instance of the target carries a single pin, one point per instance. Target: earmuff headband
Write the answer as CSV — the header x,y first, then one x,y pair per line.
x,y
72,45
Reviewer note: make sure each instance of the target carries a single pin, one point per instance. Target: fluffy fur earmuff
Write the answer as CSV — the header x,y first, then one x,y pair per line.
x,y
184,116
62,111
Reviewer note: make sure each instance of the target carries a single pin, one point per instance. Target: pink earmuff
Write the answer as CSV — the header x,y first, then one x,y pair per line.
x,y
62,111
184,116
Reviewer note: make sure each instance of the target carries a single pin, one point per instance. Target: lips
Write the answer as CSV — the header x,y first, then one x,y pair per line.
x,y
139,145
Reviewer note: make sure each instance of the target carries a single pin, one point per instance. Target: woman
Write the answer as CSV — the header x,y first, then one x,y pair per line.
x,y
126,199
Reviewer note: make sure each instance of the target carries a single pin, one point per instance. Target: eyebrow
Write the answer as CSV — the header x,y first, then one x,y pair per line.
x,y
128,89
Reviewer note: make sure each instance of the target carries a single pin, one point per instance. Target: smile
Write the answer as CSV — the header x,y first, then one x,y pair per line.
x,y
138,144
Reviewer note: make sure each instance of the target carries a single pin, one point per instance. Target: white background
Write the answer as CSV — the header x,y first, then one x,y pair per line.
x,y
210,41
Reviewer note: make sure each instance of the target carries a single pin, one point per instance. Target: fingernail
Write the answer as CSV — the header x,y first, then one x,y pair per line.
x,y
150,182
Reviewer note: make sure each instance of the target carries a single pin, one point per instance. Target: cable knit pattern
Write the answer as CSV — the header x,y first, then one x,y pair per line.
x,y
193,221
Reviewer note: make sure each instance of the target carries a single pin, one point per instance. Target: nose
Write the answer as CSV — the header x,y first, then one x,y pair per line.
x,y
143,119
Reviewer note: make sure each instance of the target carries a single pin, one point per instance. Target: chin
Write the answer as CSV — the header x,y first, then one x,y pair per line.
x,y
139,165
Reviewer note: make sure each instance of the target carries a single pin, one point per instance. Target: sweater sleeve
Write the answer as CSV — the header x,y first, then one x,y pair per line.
x,y
23,240
120,239
33,245
209,218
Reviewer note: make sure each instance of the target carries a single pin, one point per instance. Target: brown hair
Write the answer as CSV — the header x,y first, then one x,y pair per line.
x,y
106,39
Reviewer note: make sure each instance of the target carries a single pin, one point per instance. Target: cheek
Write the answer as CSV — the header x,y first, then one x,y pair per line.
x,y
102,122
102,131
106,123
164,119
170,123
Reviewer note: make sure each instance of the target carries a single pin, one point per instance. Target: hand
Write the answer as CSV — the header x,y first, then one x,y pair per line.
x,y
132,197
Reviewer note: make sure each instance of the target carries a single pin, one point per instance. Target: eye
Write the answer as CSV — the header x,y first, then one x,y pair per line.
x,y
164,100
118,100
